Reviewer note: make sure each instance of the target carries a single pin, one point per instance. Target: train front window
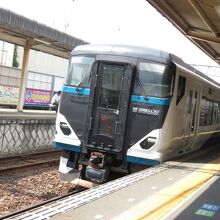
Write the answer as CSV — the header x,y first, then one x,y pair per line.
x,y
111,86
79,69
154,80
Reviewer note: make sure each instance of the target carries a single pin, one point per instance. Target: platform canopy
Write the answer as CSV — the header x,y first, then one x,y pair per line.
x,y
198,20
18,30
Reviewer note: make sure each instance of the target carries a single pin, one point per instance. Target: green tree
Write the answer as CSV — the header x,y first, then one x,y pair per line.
x,y
15,57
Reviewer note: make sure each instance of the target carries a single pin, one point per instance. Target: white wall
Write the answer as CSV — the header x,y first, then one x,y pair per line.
x,y
58,83
44,63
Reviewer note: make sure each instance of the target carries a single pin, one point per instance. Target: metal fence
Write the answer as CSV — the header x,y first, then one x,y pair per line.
x,y
20,136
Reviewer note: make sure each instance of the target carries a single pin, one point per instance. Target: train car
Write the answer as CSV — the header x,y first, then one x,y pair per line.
x,y
124,107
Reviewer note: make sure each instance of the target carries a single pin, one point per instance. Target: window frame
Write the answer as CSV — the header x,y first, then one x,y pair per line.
x,y
86,84
139,91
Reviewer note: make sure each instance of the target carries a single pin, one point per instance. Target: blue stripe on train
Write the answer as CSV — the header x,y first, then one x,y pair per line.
x,y
134,98
142,161
67,146
150,100
81,91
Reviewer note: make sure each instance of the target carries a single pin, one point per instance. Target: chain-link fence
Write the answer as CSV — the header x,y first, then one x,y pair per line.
x,y
20,136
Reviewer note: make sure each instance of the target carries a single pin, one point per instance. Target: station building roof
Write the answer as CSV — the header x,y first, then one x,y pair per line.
x,y
18,29
198,20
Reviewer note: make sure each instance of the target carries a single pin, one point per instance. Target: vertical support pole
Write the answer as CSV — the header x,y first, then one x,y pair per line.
x,y
52,87
24,73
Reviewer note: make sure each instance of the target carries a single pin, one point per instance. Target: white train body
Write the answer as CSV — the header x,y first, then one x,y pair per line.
x,y
135,107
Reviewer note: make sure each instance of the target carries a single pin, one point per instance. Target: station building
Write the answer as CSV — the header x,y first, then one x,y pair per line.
x,y
45,76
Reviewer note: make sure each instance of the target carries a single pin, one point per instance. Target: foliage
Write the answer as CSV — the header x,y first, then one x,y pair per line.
x,y
15,57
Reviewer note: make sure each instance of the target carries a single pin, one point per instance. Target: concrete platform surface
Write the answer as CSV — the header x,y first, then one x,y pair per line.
x,y
176,190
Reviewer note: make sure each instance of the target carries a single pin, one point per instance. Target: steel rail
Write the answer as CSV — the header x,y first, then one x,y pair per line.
x,y
40,204
27,160
23,156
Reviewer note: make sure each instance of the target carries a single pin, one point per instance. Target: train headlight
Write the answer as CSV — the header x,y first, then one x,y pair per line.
x,y
79,133
148,142
65,128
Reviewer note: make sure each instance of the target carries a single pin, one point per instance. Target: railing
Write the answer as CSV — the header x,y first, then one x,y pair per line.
x,y
26,132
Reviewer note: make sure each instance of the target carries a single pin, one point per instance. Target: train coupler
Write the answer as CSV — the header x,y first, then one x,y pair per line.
x,y
97,171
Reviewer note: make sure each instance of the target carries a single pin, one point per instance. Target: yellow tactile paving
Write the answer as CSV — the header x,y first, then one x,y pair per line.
x,y
158,205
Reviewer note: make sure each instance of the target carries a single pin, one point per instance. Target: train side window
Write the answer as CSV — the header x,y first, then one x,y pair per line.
x,y
206,112
210,112
181,89
215,118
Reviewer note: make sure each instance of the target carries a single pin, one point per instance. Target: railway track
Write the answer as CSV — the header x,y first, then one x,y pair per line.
x,y
45,203
28,160
46,210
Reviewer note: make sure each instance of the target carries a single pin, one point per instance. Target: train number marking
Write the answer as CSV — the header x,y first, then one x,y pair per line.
x,y
146,111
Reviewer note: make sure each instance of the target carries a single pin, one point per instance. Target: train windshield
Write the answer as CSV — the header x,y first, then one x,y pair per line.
x,y
154,80
79,70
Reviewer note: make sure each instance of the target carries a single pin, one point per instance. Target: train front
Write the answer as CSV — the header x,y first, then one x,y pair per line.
x,y
110,101
92,117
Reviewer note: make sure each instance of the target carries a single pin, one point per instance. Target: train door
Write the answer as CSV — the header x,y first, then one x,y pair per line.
x,y
191,116
109,105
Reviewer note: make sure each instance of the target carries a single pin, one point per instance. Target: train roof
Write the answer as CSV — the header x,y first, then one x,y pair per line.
x,y
138,52
123,50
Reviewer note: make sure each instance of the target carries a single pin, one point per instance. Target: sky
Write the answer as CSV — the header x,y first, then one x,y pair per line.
x,y
131,22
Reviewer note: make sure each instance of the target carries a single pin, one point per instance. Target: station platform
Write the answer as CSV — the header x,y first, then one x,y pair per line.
x,y
179,190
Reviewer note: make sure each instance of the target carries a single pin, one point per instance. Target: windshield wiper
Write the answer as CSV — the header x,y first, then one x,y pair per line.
x,y
83,81
142,88
146,97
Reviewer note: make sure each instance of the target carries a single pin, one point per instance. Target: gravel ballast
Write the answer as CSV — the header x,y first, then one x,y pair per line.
x,y
24,188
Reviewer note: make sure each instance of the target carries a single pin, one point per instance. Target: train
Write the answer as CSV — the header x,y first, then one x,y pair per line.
x,y
125,108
